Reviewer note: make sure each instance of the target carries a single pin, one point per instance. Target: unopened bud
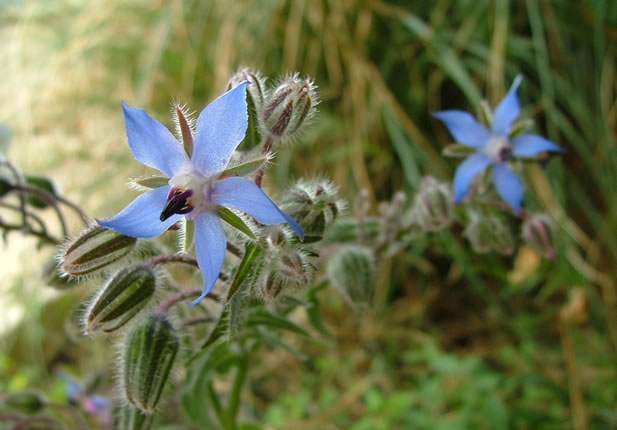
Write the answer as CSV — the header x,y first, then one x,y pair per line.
x,y
289,107
94,249
131,418
123,296
287,273
256,90
352,271
432,208
538,233
27,402
489,232
314,205
149,352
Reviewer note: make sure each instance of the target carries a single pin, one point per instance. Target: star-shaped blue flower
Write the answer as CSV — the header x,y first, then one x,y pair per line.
x,y
494,148
195,188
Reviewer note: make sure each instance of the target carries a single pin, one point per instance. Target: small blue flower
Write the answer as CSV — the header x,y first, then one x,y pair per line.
x,y
195,188
494,148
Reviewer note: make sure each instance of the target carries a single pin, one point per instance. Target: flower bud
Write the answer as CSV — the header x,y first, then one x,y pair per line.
x,y
256,90
352,271
149,352
432,207
125,294
538,233
27,402
286,272
314,205
289,107
489,232
131,418
95,249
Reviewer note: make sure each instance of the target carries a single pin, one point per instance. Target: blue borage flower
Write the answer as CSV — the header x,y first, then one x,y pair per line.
x,y
494,147
195,188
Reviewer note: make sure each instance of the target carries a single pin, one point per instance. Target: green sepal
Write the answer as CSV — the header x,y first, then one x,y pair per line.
x,y
246,168
189,236
235,221
252,251
151,181
456,150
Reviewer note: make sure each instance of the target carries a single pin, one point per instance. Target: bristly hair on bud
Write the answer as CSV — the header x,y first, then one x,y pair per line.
x,y
184,121
131,418
433,208
285,273
488,231
290,106
122,297
537,231
93,250
149,351
257,91
314,205
352,271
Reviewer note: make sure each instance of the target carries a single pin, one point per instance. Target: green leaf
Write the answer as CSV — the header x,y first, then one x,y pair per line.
x,y
456,150
265,318
151,181
252,251
235,221
246,168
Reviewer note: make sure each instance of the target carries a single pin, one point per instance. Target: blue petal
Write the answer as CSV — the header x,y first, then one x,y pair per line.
x,y
464,128
141,217
243,195
509,186
220,129
210,246
468,169
151,143
528,145
507,110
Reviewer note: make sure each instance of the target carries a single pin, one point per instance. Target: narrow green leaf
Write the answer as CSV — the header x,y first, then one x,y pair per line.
x,y
189,236
271,320
250,254
151,181
235,221
246,168
217,331
456,150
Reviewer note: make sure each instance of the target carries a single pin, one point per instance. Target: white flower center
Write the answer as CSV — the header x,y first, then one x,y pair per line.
x,y
498,149
201,185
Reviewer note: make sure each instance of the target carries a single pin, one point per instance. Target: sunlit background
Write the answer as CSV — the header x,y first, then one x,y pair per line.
x,y
457,340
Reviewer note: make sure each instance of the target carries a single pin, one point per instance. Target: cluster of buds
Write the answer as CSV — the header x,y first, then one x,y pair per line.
x,y
95,249
489,232
352,271
285,268
433,208
314,205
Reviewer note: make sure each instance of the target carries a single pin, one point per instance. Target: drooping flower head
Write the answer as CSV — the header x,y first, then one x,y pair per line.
x,y
494,147
196,187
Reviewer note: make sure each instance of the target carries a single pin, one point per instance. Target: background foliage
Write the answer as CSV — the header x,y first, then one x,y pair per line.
x,y
455,339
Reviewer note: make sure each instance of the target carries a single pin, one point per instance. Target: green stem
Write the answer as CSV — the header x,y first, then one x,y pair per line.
x,y
236,392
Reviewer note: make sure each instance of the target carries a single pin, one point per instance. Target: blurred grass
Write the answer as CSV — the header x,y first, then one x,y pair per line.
x,y
460,345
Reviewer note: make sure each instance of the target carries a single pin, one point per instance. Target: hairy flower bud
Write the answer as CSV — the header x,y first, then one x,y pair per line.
x,y
95,249
432,207
352,271
124,295
489,232
27,402
131,418
314,205
538,233
149,352
288,108
286,272
256,90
